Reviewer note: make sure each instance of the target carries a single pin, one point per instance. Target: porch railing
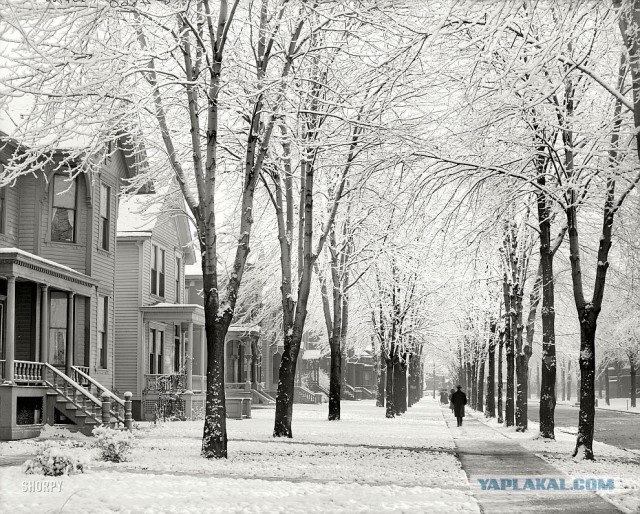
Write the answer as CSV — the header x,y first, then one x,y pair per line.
x,y
27,371
73,392
98,390
170,383
238,386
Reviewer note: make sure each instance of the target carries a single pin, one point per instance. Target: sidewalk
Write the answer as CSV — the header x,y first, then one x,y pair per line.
x,y
485,453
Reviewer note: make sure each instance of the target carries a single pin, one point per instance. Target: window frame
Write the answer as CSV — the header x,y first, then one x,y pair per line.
x,y
105,221
156,347
178,277
158,271
103,334
62,176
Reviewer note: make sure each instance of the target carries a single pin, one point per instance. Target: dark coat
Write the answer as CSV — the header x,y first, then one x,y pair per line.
x,y
459,400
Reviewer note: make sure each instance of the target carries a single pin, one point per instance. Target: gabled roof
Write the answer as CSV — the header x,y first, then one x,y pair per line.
x,y
139,214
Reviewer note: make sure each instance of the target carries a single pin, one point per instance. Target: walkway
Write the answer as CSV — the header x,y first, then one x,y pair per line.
x,y
485,453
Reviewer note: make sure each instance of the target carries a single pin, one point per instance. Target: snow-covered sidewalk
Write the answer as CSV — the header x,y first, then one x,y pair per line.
x,y
363,463
623,466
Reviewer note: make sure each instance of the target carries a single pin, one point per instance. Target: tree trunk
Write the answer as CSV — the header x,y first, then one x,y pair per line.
x,y
335,380
600,386
509,405
500,409
286,387
398,387
548,315
569,381
214,440
474,382
563,379
522,370
490,409
479,401
390,407
380,380
587,390
403,387
632,376
607,397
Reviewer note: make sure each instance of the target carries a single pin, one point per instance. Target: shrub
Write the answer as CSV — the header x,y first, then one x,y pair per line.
x,y
54,460
114,445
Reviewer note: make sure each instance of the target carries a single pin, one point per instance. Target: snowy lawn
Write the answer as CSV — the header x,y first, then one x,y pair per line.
x,y
611,462
362,463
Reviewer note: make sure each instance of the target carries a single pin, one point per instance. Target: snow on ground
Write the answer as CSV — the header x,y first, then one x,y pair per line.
x,y
363,463
618,404
611,462
621,404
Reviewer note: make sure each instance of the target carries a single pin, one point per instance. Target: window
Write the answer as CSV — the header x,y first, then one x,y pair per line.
x,y
176,350
152,352
3,216
178,270
105,216
103,319
157,270
63,212
156,343
58,328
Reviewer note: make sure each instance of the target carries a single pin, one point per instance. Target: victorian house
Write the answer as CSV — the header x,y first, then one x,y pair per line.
x,y
159,338
57,280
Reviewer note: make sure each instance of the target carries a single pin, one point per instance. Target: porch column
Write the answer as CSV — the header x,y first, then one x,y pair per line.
x,y
203,362
10,329
44,323
70,333
190,358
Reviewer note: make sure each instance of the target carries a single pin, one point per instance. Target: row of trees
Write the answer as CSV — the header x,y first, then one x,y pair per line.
x,y
395,151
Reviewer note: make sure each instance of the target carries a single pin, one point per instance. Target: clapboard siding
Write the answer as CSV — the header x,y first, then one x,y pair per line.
x,y
165,236
104,376
12,213
80,332
127,312
104,262
27,222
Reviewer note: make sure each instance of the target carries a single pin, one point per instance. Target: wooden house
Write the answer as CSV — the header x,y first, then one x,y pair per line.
x,y
57,278
159,338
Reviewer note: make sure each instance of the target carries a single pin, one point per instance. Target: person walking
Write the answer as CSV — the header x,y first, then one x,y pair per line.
x,y
450,400
459,400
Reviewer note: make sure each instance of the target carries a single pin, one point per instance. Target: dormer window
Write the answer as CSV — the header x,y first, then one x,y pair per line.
x,y
63,211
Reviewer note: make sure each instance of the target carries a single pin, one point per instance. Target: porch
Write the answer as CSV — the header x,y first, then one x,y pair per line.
x,y
41,393
184,387
45,311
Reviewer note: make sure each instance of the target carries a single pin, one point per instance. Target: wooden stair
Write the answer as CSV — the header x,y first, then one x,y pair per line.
x,y
77,403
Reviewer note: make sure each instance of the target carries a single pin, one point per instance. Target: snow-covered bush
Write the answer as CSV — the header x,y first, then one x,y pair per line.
x,y
54,460
114,445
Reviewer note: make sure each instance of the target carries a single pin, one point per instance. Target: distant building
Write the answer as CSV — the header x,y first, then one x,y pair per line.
x,y
243,356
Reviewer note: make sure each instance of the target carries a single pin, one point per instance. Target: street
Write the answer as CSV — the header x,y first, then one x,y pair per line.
x,y
620,429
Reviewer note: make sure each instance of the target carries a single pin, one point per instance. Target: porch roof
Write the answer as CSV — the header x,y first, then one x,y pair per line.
x,y
175,312
19,263
246,330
